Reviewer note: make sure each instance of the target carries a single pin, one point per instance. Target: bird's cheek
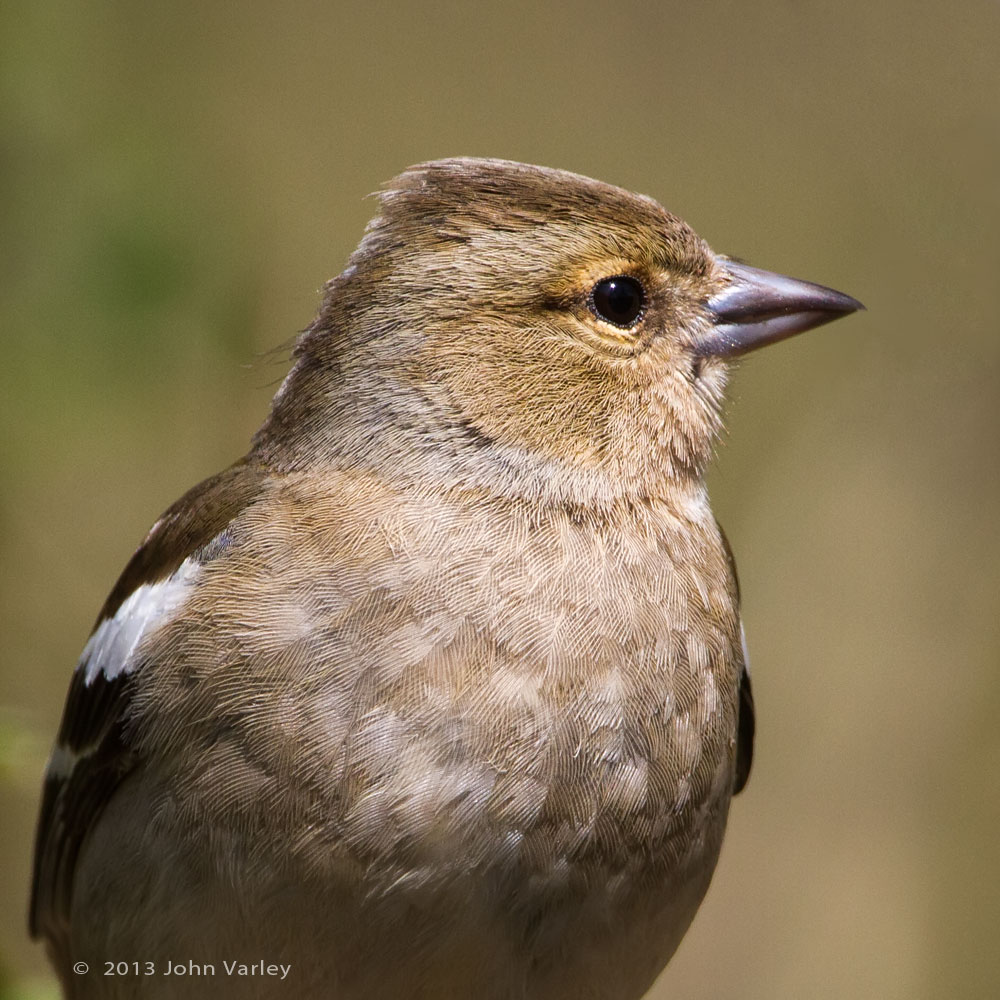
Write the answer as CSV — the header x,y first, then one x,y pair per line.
x,y
676,342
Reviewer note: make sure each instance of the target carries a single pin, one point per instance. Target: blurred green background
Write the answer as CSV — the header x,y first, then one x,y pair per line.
x,y
179,180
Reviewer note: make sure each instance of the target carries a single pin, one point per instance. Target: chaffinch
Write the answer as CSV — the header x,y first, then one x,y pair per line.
x,y
440,692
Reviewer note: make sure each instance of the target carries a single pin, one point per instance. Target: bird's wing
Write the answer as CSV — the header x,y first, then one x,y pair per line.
x,y
94,750
746,725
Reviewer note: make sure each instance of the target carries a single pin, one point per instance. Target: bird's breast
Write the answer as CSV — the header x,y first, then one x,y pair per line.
x,y
497,682
515,723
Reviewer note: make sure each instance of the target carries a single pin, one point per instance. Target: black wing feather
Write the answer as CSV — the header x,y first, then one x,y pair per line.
x,y
744,734
747,723
92,726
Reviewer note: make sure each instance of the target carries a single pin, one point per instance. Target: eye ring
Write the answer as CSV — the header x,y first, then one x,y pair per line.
x,y
619,300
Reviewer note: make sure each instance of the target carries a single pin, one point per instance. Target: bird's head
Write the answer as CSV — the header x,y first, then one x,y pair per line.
x,y
532,331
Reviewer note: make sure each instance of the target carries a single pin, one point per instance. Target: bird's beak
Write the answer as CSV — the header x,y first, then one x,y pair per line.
x,y
760,307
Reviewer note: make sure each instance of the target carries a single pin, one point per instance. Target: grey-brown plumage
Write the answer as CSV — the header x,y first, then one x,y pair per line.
x,y
439,692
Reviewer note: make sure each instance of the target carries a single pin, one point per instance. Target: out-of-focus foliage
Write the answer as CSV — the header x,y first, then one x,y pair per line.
x,y
177,182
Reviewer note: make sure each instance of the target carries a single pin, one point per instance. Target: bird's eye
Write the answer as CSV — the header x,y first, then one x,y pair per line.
x,y
618,300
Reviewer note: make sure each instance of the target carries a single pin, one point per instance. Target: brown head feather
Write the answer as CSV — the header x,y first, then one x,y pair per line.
x,y
486,266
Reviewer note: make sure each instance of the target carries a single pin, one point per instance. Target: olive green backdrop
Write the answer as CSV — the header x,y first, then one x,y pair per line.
x,y
178,182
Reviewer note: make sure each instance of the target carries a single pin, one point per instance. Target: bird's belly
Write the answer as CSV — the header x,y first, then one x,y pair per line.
x,y
532,836
567,930
507,887
528,924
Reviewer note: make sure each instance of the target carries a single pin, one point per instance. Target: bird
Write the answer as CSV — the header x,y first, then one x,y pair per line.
x,y
440,691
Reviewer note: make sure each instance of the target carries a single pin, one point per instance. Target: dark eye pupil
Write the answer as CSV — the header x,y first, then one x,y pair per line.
x,y
618,300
